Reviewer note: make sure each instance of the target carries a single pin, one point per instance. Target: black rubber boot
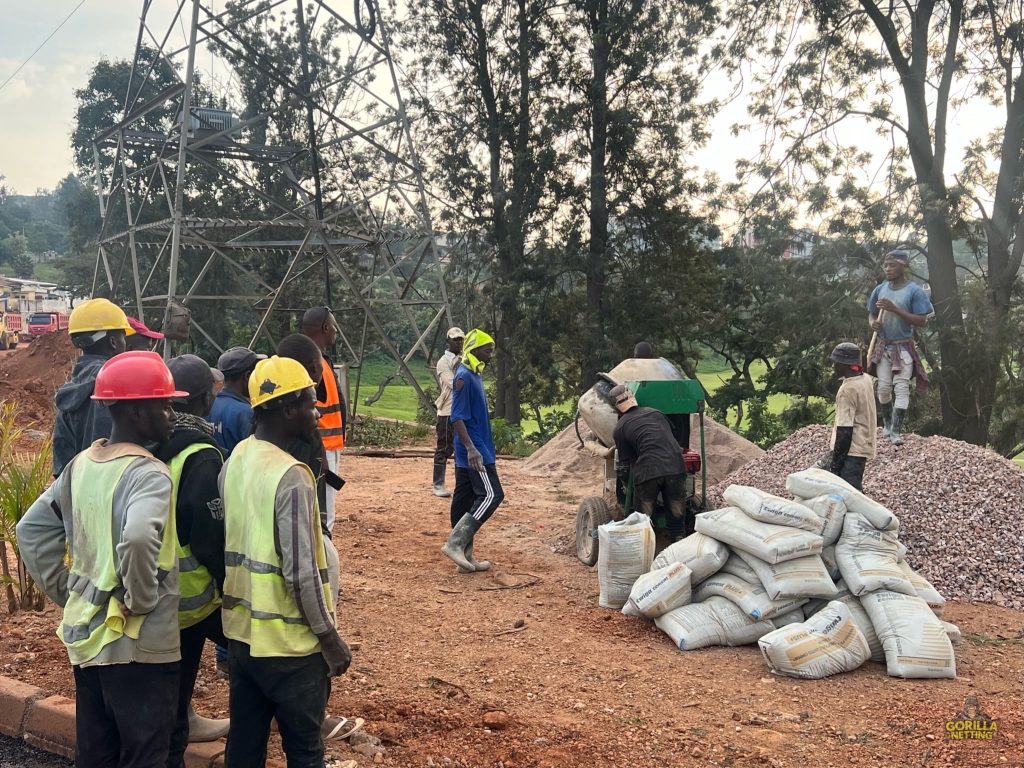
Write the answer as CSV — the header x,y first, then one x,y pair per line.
x,y
886,419
460,538
897,426
439,489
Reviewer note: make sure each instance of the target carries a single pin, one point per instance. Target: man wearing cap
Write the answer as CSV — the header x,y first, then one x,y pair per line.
x,y
98,328
278,606
143,338
446,366
320,325
644,441
100,542
895,308
195,462
854,433
231,414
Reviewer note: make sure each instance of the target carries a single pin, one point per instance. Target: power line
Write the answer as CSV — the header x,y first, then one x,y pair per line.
x,y
55,31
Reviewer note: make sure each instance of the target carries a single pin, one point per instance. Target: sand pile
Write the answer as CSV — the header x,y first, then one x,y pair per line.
x,y
31,374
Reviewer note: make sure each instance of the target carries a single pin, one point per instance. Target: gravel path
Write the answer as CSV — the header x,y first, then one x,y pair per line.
x,y
15,753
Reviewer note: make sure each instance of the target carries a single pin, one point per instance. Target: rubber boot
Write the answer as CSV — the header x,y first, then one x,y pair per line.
x,y
478,565
439,489
897,426
460,538
204,728
886,419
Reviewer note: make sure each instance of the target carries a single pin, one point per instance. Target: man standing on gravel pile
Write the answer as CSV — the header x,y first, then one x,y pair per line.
x,y
895,308
853,436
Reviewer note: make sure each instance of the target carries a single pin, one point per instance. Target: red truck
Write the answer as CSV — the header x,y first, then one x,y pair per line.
x,y
46,322
11,328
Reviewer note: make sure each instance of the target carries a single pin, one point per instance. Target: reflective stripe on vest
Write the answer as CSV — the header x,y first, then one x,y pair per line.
x,y
199,594
258,607
331,424
94,613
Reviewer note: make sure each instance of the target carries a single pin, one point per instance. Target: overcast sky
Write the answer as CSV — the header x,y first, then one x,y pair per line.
x,y
37,106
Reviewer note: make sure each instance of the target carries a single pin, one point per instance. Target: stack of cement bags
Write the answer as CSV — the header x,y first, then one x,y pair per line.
x,y
819,582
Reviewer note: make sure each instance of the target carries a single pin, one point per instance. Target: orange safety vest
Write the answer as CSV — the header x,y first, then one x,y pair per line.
x,y
332,418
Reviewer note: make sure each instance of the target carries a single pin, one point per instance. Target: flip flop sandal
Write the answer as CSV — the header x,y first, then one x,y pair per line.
x,y
337,728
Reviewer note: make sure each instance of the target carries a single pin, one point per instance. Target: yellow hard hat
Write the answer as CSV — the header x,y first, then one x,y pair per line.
x,y
276,376
98,315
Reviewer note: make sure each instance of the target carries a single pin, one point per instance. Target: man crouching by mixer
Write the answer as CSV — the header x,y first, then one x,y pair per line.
x,y
644,441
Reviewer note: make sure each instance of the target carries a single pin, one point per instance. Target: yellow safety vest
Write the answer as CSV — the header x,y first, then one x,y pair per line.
x,y
199,594
258,607
94,613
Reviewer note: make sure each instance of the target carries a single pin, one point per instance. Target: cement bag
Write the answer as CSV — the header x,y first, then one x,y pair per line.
x,y
752,598
831,508
625,552
867,558
924,589
659,591
903,552
828,558
952,632
863,622
800,577
714,622
701,554
792,617
737,567
915,642
773,543
816,482
826,644
772,509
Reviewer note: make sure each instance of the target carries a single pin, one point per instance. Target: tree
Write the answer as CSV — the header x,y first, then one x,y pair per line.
x,y
939,53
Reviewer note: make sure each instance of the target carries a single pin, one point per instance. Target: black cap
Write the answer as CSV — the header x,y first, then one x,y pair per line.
x,y
191,374
846,353
238,360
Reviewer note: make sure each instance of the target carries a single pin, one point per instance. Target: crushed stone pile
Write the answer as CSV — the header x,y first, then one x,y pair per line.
x,y
31,374
959,506
562,458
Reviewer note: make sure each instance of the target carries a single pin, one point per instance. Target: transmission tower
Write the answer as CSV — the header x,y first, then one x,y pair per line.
x,y
343,215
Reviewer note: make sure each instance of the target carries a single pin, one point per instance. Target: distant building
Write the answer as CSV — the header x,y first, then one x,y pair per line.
x,y
28,296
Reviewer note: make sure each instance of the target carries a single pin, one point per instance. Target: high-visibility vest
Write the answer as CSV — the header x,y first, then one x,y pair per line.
x,y
258,608
94,613
199,594
332,419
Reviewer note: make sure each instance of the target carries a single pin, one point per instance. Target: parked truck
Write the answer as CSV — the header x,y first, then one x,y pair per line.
x,y
40,323
11,328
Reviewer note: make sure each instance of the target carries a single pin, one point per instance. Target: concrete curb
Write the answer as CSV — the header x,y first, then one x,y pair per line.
x,y
48,723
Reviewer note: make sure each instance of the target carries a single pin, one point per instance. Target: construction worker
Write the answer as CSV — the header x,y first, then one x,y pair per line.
x,y
195,462
446,366
643,350
644,441
478,490
278,605
231,414
143,338
319,324
109,515
895,307
98,328
854,432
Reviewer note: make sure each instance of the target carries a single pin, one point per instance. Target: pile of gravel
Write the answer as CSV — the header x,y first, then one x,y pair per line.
x,y
961,507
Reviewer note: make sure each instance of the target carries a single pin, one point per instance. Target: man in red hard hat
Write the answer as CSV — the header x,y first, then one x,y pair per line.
x,y
120,593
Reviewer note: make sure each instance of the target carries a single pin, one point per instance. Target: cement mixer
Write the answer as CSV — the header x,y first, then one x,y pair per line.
x,y
658,384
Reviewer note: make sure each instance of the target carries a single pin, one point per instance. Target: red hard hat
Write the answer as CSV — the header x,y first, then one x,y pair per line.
x,y
135,376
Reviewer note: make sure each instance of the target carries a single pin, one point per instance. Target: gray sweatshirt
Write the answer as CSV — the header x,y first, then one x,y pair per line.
x,y
141,507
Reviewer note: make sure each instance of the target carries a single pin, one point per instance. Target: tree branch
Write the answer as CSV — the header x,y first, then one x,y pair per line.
x,y
956,10
887,30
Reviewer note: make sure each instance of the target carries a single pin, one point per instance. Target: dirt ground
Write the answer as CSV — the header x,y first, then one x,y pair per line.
x,y
578,686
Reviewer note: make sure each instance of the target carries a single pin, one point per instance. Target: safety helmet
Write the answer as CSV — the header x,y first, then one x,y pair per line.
x,y
98,315
474,340
275,377
846,353
138,375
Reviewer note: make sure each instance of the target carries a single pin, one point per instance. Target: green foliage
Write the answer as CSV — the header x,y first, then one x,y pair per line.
x,y
801,412
23,477
764,428
550,424
377,433
428,414
508,438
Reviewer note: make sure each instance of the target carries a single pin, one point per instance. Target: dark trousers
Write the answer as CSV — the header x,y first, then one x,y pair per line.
x,y
192,640
673,494
852,471
476,493
445,441
124,714
294,690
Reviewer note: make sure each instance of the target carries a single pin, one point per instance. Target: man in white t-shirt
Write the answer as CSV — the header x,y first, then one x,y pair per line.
x,y
445,375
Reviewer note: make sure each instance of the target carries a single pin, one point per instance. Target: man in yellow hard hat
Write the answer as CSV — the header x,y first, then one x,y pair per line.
x,y
280,578
98,328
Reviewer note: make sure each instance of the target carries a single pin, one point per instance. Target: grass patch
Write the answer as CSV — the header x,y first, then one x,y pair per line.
x,y
983,639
